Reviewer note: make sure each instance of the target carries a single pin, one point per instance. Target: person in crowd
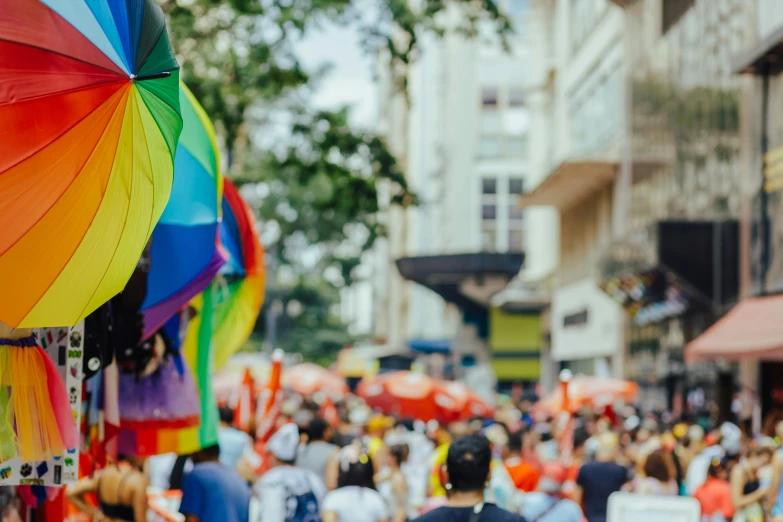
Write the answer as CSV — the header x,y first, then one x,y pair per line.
x,y
288,493
234,444
393,485
316,452
578,458
714,495
355,499
657,478
775,497
121,490
747,493
597,480
212,491
697,470
523,474
547,503
467,473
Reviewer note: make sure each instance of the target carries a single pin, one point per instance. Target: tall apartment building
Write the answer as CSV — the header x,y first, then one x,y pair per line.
x,y
465,139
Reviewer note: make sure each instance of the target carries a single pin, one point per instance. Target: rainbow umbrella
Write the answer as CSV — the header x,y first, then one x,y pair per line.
x,y
89,120
242,294
185,253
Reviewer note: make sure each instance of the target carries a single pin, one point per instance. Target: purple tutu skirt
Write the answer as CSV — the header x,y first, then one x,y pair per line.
x,y
163,400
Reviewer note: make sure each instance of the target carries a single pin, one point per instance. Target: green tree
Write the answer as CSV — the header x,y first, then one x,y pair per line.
x,y
320,182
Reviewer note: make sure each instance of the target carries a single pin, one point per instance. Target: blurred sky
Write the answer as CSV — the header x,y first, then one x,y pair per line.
x,y
351,79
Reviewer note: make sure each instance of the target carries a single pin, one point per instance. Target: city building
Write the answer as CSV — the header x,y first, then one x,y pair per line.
x,y
636,112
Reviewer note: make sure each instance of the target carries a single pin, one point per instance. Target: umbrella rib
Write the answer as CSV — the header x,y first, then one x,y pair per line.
x,y
44,49
59,272
12,245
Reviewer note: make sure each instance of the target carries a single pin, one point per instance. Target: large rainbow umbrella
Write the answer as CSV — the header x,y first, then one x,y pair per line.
x,y
185,253
89,121
239,300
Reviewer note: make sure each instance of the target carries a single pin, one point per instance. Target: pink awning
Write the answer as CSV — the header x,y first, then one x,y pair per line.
x,y
751,330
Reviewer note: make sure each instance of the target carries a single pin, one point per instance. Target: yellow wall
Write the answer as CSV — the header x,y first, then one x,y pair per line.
x,y
511,334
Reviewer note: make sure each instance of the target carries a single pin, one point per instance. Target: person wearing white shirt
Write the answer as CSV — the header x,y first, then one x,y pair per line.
x,y
355,499
286,492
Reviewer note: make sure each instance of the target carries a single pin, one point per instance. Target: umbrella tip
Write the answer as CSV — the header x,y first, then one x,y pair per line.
x,y
278,354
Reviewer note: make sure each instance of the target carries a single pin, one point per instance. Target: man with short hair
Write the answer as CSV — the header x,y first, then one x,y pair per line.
x,y
597,480
212,492
316,452
288,493
467,472
234,444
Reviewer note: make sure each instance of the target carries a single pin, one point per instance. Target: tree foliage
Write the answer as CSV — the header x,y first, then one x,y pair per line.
x,y
319,183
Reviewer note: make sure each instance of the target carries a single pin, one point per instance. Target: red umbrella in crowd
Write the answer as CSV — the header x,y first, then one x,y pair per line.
x,y
413,395
307,379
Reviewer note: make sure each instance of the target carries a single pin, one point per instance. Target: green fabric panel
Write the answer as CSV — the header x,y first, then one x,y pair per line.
x,y
514,331
152,25
523,369
208,431
195,138
167,116
161,58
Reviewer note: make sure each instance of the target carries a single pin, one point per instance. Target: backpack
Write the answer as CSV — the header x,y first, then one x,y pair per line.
x,y
302,507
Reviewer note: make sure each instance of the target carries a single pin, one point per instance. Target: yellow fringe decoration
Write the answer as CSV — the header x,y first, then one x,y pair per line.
x,y
27,419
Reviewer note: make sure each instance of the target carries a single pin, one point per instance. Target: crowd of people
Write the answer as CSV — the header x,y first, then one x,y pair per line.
x,y
367,467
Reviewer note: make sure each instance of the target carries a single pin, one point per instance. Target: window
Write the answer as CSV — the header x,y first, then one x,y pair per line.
x,y
516,97
516,186
489,186
515,243
490,122
489,147
489,96
516,146
488,237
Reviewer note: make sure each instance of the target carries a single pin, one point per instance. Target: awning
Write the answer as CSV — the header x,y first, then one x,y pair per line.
x,y
430,345
466,280
764,58
751,330
570,183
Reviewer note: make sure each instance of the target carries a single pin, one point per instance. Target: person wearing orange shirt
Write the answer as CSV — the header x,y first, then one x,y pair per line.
x,y
523,474
714,495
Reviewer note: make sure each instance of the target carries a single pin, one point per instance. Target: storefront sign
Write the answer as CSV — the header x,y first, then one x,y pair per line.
x,y
585,323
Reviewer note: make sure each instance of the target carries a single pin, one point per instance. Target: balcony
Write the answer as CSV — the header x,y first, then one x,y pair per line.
x,y
570,183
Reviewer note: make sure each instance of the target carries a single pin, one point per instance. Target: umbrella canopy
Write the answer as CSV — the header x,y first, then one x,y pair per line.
x,y
403,394
244,276
308,379
587,390
185,253
89,121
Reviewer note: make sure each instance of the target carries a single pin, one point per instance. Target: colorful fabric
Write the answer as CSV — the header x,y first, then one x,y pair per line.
x,y
89,120
243,277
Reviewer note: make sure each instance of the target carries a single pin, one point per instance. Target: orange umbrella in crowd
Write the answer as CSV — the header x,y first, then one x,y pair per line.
x,y
587,390
308,379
